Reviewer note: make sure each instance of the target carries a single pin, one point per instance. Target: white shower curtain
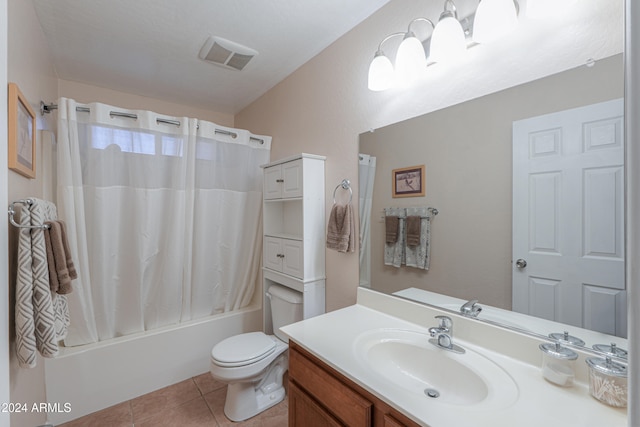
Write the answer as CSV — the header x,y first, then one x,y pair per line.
x,y
164,218
366,177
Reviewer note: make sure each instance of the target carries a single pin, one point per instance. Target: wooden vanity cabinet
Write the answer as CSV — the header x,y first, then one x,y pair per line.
x,y
320,396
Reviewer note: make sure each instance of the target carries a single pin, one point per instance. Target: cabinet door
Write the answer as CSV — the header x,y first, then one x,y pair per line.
x,y
292,259
272,182
273,253
337,398
292,179
305,412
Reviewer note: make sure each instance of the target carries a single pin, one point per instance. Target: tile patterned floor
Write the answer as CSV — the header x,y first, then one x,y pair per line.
x,y
196,402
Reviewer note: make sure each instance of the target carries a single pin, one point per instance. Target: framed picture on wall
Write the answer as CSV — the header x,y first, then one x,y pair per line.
x,y
408,182
22,134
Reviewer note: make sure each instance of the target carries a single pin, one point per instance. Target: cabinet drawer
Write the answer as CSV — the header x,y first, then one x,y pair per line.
x,y
341,401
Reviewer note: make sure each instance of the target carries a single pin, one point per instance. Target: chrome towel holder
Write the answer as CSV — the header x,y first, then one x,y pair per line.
x,y
12,212
346,185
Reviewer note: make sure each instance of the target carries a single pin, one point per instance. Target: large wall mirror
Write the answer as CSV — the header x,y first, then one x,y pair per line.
x,y
528,183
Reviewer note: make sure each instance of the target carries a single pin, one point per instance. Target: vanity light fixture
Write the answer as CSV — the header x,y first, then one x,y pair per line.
x,y
491,20
448,41
381,72
411,61
494,19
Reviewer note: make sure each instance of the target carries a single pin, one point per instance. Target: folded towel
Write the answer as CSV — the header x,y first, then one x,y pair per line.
x,y
341,229
35,315
65,244
413,230
59,258
391,228
54,285
394,252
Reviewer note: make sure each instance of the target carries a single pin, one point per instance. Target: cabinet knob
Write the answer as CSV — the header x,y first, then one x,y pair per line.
x,y
279,180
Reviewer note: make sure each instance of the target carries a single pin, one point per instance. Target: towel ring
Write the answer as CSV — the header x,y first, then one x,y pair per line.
x,y
346,185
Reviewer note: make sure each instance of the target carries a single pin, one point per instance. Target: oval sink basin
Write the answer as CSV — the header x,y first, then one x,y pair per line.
x,y
407,360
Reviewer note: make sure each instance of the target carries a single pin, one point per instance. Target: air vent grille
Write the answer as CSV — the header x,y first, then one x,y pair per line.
x,y
226,53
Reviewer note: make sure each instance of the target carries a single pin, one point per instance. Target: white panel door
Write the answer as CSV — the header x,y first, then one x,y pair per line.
x,y
568,217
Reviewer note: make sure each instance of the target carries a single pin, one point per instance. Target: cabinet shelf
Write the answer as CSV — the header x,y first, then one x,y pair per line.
x,y
287,236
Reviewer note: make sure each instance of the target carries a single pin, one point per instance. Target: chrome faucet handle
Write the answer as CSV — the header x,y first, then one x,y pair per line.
x,y
445,324
471,308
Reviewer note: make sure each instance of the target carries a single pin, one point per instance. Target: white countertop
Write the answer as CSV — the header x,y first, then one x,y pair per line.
x,y
331,338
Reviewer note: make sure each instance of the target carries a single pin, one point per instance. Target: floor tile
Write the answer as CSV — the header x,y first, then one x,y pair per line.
x,y
276,416
174,395
114,416
206,383
194,413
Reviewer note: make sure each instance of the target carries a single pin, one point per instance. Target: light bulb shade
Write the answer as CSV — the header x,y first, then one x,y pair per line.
x,y
494,19
448,40
380,73
411,62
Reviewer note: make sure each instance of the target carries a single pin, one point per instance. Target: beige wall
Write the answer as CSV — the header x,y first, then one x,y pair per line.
x,y
30,66
5,395
85,93
467,152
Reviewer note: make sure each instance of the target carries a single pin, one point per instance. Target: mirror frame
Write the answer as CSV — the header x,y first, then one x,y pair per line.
x,y
632,161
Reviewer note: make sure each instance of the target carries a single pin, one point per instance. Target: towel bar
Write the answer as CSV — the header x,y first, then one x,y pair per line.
x,y
12,212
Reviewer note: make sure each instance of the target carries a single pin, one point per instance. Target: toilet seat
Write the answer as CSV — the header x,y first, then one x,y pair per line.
x,y
243,349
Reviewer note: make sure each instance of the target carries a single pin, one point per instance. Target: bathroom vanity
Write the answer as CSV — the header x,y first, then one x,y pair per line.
x,y
371,364
321,396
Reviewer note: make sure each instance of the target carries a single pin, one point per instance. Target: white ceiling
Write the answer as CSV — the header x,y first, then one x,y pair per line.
x,y
150,47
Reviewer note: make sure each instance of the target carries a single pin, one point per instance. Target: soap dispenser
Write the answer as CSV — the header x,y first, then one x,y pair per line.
x,y
558,364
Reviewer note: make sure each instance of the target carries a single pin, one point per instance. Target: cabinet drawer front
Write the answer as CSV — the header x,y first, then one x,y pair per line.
x,y
344,403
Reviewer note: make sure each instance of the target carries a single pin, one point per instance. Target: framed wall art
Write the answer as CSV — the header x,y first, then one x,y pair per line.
x,y
22,134
408,182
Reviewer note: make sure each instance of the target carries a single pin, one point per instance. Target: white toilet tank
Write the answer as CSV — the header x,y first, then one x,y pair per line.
x,y
286,308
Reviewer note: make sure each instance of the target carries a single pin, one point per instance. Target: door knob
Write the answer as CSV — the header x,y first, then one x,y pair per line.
x,y
521,263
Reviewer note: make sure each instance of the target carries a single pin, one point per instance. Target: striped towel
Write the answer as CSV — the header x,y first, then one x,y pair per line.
x,y
41,318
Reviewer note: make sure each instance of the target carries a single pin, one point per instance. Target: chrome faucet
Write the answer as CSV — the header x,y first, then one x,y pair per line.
x,y
471,308
442,335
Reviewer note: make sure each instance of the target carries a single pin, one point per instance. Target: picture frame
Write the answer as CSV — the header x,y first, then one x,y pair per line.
x,y
22,133
408,182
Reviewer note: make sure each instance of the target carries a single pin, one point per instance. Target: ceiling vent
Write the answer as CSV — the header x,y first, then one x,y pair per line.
x,y
226,53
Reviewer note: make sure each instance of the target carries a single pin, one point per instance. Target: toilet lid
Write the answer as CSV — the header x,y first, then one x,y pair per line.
x,y
243,349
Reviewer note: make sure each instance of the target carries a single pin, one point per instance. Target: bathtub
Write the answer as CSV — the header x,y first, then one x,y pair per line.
x,y
89,378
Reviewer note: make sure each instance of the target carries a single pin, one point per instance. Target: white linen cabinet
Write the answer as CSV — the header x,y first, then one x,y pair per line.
x,y
294,230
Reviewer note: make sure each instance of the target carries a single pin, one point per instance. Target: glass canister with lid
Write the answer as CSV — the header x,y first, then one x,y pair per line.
x,y
558,364
608,381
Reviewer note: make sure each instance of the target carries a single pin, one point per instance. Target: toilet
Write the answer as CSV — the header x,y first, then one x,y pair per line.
x,y
254,363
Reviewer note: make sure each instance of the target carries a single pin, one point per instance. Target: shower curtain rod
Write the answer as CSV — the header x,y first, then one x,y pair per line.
x,y
48,108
